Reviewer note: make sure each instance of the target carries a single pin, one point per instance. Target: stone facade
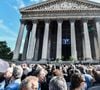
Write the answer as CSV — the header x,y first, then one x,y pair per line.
x,y
60,29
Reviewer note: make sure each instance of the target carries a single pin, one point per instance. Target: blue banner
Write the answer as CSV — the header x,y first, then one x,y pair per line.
x,y
66,41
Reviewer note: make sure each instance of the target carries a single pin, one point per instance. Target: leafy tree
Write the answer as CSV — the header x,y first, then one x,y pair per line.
x,y
5,51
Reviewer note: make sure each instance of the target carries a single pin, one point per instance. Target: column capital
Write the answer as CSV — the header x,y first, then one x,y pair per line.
x,y
59,20
34,21
22,21
97,19
47,21
85,19
72,20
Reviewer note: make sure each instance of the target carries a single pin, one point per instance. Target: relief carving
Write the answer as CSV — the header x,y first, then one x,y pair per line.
x,y
65,5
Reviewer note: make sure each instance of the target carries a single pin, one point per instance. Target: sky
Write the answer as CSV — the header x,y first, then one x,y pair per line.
x,y
10,19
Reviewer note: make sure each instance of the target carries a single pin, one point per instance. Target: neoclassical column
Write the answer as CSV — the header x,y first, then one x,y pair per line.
x,y
96,48
32,41
19,41
49,47
73,40
98,32
37,45
86,40
26,45
59,40
45,40
83,42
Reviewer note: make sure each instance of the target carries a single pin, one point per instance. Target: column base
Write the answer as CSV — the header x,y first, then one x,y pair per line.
x,y
29,59
88,59
23,58
43,59
14,60
73,58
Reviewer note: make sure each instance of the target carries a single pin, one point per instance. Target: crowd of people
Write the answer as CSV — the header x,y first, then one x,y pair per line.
x,y
50,77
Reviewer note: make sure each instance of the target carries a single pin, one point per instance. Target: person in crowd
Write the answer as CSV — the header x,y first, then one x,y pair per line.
x,y
96,75
16,79
77,77
88,78
29,83
71,72
77,82
26,70
57,72
68,72
40,73
57,83
8,76
12,65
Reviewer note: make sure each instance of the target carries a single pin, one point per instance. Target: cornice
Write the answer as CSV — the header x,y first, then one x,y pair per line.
x,y
61,11
59,17
62,14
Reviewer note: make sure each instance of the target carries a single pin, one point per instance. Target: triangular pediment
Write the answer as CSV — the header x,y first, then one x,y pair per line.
x,y
63,5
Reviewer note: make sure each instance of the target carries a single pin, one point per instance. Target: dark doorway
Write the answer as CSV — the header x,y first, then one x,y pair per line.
x,y
53,39
66,52
66,41
79,38
40,34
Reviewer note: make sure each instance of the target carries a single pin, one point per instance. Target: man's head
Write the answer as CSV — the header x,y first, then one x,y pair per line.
x,y
30,83
57,83
8,73
17,72
42,74
39,72
57,72
77,81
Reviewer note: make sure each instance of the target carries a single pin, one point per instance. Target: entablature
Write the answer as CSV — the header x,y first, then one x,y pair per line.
x,y
62,13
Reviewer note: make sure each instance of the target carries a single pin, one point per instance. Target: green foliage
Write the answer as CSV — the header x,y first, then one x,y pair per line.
x,y
62,58
58,60
91,28
5,51
72,59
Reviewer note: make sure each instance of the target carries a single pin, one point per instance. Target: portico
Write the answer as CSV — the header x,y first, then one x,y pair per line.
x,y
60,29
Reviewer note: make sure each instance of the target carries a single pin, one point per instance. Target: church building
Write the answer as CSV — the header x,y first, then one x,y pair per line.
x,y
59,29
